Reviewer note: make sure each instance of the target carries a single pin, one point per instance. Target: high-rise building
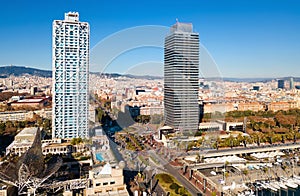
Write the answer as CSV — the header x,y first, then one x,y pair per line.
x,y
292,85
280,84
70,65
181,75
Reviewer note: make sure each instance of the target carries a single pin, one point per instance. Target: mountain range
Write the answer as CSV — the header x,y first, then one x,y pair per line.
x,y
6,71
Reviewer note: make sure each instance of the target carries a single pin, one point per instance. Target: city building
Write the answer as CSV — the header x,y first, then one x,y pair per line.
x,y
92,113
292,85
3,190
281,105
35,102
152,110
70,65
33,90
23,141
181,73
100,137
16,116
256,88
280,84
107,180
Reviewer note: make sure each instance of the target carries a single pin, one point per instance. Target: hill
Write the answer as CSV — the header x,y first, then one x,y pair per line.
x,y
252,80
7,71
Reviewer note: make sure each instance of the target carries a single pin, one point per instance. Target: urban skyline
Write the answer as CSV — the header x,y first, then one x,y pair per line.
x,y
85,133
246,39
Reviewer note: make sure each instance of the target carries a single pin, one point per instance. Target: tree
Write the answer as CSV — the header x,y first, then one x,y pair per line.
x,y
285,120
292,135
199,142
258,137
270,137
100,113
231,142
156,119
242,139
10,129
198,158
76,141
2,128
245,172
143,119
47,125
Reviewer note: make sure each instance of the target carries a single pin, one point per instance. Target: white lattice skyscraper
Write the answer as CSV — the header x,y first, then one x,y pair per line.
x,y
70,65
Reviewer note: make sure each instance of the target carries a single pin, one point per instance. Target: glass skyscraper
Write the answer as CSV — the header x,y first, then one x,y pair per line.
x,y
280,84
181,74
70,65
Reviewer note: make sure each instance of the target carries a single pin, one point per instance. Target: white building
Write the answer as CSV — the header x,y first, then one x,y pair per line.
x,y
16,116
107,180
70,65
23,141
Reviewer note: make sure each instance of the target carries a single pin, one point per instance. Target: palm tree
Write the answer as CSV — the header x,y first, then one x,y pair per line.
x,y
198,158
244,139
255,138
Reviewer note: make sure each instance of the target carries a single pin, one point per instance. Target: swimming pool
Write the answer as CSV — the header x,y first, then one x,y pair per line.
x,y
99,157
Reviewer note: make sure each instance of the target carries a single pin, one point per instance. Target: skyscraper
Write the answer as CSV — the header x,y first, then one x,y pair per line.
x,y
280,84
181,74
292,85
70,65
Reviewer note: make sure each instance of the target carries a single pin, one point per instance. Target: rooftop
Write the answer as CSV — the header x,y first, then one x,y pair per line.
x,y
72,16
28,131
30,100
182,27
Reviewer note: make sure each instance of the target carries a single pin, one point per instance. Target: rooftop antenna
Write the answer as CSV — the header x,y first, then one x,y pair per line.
x,y
176,20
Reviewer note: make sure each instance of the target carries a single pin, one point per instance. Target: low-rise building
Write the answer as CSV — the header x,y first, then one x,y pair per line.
x,y
253,106
210,126
3,190
44,113
100,137
36,103
107,180
24,115
151,110
24,140
16,116
281,105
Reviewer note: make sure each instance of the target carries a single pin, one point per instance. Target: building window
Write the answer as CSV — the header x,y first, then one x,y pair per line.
x,y
105,183
113,182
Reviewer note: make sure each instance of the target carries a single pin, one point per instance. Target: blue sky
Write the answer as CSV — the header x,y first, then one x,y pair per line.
x,y
246,38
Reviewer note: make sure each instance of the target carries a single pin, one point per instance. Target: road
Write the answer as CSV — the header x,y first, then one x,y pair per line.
x,y
156,189
190,187
165,166
174,172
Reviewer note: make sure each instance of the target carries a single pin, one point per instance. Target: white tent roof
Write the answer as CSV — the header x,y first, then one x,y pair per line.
x,y
223,159
106,170
262,155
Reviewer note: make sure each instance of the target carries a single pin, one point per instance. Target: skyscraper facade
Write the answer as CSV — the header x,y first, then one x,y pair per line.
x,y
181,75
292,85
70,65
280,84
